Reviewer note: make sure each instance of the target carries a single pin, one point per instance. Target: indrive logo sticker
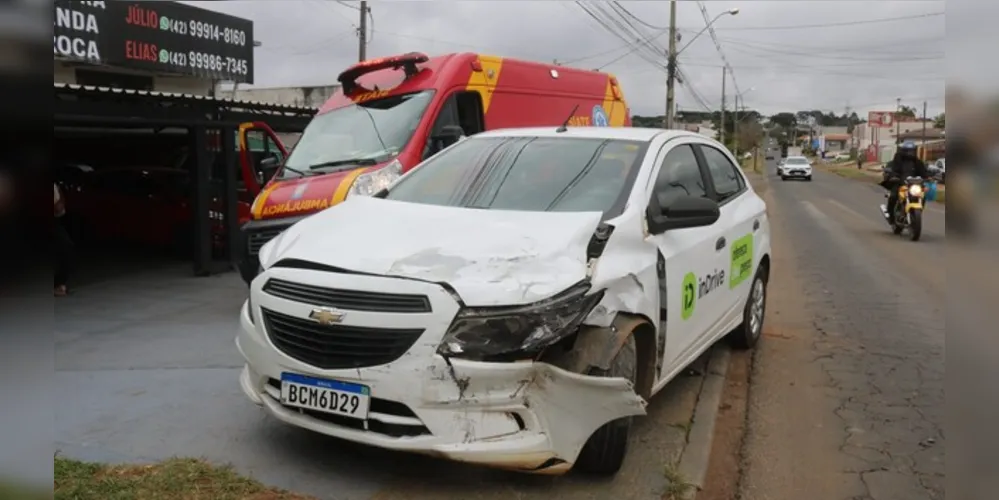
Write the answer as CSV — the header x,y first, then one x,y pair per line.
x,y
742,260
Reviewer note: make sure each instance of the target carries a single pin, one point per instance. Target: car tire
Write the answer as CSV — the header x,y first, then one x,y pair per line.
x,y
604,453
783,178
809,178
747,334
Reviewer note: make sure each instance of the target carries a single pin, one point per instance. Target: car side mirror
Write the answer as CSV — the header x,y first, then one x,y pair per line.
x,y
268,167
683,212
448,135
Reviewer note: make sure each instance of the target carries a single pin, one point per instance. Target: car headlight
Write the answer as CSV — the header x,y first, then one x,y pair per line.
x,y
372,182
511,333
915,190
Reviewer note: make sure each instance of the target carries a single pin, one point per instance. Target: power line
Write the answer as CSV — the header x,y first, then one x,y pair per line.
x,y
867,48
714,38
653,60
837,24
639,20
746,48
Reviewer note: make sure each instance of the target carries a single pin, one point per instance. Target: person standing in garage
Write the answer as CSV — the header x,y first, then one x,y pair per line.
x,y
63,245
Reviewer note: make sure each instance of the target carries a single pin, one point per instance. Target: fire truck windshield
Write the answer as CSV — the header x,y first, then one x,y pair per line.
x,y
366,132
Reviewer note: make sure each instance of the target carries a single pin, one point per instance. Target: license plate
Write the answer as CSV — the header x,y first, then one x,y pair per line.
x,y
328,396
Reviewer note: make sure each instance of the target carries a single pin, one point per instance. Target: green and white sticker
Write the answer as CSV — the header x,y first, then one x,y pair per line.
x,y
689,299
742,260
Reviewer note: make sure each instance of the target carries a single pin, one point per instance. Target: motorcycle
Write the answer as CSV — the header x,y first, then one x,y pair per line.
x,y
908,212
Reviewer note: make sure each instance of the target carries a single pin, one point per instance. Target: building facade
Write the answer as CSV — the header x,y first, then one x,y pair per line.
x,y
157,46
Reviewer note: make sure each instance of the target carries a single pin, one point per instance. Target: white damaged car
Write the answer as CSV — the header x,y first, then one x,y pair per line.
x,y
514,301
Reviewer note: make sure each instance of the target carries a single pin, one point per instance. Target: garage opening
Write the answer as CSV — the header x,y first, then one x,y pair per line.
x,y
154,182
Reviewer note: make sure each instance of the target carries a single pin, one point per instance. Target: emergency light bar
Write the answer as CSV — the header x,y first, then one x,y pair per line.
x,y
408,62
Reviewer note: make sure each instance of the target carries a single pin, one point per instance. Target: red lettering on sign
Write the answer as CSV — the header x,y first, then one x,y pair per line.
x,y
141,17
140,51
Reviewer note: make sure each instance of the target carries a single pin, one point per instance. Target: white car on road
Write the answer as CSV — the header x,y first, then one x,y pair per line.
x,y
796,167
514,300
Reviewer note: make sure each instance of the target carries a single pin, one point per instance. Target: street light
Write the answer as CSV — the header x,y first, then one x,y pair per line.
x,y
673,54
731,12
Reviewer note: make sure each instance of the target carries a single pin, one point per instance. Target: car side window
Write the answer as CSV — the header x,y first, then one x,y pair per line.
x,y
679,175
725,176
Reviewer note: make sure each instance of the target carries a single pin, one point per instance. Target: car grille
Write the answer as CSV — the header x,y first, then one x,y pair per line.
x,y
797,171
259,237
352,300
337,346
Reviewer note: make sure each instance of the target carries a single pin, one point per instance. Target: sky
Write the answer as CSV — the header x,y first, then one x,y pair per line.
x,y
785,55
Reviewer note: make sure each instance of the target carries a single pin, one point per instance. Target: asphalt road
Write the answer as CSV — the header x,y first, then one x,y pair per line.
x,y
846,396
146,369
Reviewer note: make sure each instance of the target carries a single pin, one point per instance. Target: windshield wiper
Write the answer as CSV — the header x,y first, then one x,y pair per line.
x,y
299,172
337,163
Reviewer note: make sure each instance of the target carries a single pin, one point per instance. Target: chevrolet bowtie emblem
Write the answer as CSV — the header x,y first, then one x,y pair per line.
x,y
326,316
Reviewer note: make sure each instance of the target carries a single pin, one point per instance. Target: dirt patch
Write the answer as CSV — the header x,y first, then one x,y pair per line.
x,y
179,478
724,468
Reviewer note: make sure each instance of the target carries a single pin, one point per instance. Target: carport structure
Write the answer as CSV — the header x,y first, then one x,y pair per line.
x,y
206,119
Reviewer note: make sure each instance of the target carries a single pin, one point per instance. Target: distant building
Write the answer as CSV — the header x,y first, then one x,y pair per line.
x,y
307,96
704,128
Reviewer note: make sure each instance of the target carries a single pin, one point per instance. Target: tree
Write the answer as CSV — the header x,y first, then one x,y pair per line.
x,y
750,135
907,112
940,121
784,120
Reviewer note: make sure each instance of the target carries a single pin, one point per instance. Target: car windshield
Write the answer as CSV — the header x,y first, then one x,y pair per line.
x,y
797,161
527,173
363,133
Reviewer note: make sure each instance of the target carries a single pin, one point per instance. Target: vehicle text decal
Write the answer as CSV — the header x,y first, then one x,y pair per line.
x,y
296,206
742,260
367,96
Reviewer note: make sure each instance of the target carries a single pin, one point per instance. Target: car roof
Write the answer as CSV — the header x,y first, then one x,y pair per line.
x,y
620,133
796,158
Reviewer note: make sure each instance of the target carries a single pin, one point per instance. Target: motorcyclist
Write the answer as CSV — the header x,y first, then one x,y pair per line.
x,y
905,164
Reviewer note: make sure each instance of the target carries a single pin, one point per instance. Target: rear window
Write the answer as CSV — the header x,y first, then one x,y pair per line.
x,y
549,174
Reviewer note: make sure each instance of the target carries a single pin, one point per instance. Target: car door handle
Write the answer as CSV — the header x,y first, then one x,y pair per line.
x,y
720,243
756,224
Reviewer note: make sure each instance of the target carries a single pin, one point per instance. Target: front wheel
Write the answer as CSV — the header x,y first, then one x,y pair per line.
x,y
915,224
783,178
748,333
603,454
809,178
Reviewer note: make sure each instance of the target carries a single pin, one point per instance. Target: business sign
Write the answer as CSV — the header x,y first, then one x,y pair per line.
x,y
164,37
880,119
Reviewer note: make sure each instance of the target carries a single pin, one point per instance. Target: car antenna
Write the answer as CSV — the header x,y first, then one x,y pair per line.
x,y
565,124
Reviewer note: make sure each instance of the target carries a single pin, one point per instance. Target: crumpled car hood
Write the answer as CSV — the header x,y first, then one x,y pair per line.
x,y
489,257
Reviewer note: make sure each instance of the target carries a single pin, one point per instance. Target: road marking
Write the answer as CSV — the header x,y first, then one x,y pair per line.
x,y
815,212
851,211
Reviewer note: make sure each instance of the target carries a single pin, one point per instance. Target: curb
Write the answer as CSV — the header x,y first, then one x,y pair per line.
x,y
697,453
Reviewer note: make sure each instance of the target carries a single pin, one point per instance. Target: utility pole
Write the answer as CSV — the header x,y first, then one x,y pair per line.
x,y
671,67
721,133
924,132
362,33
735,128
898,114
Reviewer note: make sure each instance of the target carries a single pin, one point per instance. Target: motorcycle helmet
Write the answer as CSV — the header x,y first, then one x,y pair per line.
x,y
908,148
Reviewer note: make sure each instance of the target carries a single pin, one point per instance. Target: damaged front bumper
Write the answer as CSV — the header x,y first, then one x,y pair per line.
x,y
526,416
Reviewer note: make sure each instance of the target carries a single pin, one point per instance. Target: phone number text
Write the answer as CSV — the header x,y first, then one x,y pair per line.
x,y
204,30
205,61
